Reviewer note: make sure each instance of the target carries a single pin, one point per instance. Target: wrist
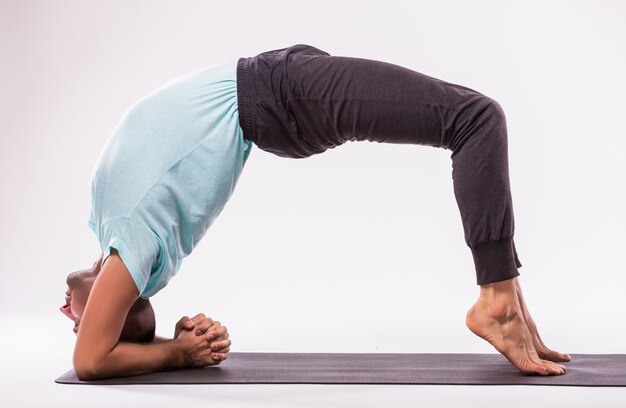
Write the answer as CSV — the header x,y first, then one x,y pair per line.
x,y
179,357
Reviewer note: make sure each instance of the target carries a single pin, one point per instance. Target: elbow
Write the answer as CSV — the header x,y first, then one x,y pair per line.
x,y
86,369
85,373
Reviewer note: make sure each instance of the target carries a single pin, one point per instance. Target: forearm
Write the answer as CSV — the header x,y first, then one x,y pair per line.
x,y
127,359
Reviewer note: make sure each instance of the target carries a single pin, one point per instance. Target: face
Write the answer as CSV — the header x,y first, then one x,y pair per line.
x,y
79,285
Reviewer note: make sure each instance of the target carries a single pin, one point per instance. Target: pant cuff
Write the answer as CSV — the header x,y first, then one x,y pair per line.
x,y
495,261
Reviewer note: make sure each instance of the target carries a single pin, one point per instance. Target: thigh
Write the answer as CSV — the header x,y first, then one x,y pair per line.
x,y
335,99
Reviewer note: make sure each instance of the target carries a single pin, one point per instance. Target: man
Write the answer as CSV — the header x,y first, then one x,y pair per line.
x,y
163,176
173,161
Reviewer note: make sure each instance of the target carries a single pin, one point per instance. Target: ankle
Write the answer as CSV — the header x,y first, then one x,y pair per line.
x,y
505,288
499,298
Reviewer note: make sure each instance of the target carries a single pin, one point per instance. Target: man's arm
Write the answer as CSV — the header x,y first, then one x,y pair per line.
x,y
97,353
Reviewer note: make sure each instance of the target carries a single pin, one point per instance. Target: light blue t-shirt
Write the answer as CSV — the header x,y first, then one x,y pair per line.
x,y
166,172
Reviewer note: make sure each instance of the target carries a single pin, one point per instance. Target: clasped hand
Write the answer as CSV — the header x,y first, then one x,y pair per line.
x,y
203,341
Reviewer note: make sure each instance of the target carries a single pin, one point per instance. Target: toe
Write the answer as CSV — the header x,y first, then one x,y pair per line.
x,y
542,370
538,368
555,369
531,368
552,355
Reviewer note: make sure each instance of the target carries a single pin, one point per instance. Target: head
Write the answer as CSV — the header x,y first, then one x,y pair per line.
x,y
139,326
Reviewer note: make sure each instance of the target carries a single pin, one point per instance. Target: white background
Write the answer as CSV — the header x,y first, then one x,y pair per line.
x,y
359,249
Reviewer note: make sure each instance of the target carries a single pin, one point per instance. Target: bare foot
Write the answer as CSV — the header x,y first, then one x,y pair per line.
x,y
497,317
540,347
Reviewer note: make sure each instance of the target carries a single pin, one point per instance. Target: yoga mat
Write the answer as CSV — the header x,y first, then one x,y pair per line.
x,y
379,368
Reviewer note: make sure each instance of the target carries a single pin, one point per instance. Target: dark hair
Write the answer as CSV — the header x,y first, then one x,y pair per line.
x,y
140,323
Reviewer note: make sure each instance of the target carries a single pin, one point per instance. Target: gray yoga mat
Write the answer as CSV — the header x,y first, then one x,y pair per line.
x,y
379,368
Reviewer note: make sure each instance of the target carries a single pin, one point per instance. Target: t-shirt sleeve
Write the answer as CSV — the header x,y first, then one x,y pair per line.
x,y
136,245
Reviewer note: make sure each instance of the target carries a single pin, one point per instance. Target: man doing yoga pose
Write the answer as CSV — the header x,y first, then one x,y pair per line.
x,y
172,163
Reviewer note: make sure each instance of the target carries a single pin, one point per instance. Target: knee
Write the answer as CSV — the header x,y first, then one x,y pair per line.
x,y
490,120
491,111
485,123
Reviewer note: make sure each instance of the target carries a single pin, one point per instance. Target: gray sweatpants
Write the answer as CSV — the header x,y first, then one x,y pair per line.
x,y
299,101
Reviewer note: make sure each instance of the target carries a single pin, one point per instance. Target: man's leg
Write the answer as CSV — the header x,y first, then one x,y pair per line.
x,y
326,100
339,99
342,99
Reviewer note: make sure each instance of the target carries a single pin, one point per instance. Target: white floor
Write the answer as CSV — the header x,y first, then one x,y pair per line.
x,y
31,363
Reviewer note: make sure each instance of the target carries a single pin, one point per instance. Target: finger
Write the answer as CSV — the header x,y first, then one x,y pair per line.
x,y
216,324
188,323
217,345
218,356
185,322
203,326
198,318
216,333
216,336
